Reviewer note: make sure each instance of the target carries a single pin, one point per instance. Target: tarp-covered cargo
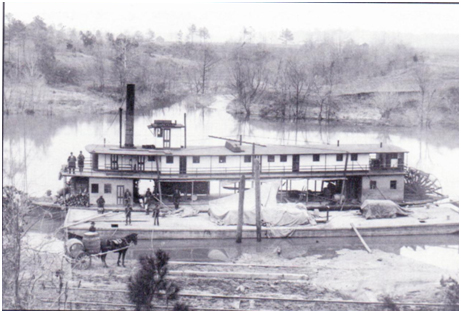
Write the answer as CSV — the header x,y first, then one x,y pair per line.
x,y
372,209
224,211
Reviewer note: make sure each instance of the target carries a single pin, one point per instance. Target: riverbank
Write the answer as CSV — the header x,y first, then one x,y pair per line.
x,y
356,280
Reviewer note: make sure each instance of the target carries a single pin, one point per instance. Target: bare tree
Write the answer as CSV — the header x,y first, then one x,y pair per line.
x,y
299,80
286,36
424,78
191,32
248,75
386,102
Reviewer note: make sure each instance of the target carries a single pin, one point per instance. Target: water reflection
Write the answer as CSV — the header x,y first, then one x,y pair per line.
x,y
45,142
417,247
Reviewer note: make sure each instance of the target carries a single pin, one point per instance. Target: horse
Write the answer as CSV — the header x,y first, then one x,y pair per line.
x,y
121,246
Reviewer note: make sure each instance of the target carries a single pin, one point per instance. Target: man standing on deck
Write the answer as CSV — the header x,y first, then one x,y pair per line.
x,y
148,200
127,197
71,163
156,214
128,210
176,197
81,162
100,203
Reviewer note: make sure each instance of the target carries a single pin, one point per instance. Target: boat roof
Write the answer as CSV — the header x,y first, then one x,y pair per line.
x,y
247,150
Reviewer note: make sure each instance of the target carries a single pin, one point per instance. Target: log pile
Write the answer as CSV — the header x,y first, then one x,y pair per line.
x,y
74,200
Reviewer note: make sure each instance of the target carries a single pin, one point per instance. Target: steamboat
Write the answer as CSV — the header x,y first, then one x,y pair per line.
x,y
336,176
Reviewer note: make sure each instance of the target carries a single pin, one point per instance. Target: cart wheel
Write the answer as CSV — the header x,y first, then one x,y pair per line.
x,y
82,261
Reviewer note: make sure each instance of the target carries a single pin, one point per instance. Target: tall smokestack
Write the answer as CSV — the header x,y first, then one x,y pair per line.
x,y
129,125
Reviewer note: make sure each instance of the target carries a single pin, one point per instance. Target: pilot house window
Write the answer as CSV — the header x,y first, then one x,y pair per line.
x,y
159,132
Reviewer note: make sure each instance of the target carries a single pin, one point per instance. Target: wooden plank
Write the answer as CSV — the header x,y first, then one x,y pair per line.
x,y
360,237
240,209
243,275
258,200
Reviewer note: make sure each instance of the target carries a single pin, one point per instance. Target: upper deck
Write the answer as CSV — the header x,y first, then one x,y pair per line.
x,y
220,162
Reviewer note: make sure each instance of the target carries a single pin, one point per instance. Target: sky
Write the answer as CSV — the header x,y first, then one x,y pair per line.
x,y
225,21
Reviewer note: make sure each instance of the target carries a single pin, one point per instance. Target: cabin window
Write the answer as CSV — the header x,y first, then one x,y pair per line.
x,y
283,158
195,159
94,188
339,157
354,157
222,159
270,158
159,132
151,158
393,184
247,158
316,157
169,159
373,184
107,188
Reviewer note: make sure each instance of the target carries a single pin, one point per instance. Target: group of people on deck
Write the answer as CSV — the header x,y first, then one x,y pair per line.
x,y
72,161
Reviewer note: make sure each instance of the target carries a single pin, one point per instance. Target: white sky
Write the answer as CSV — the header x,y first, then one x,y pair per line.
x,y
225,21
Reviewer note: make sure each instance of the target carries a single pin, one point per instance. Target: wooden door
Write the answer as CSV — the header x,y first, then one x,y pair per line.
x,y
183,165
120,194
296,163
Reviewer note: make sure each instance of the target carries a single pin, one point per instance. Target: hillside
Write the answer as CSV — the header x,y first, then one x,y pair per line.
x,y
50,71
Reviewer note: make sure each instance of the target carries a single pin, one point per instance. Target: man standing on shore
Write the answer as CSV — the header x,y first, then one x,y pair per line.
x,y
71,163
81,162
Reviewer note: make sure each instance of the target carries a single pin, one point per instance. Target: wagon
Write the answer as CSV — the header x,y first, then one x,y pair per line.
x,y
80,252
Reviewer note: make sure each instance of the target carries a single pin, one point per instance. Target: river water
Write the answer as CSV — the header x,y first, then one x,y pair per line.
x,y
35,147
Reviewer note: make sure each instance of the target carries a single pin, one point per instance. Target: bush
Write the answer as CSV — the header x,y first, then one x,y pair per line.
x,y
150,280
451,288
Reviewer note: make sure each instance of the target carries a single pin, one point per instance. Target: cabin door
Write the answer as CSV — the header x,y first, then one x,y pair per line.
x,y
114,162
182,165
120,194
296,163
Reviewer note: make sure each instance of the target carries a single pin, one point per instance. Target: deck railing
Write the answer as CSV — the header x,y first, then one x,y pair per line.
x,y
267,169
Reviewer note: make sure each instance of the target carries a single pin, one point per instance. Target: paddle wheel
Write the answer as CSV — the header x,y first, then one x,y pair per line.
x,y
421,186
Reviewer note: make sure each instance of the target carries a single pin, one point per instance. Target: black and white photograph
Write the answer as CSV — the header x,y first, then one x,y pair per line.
x,y
230,156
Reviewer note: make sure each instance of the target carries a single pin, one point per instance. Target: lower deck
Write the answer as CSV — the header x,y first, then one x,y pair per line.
x,y
443,219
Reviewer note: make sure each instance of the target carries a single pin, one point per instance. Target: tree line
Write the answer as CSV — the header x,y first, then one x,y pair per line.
x,y
275,80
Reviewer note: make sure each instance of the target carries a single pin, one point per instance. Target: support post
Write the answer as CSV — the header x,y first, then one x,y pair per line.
x,y
185,132
240,211
257,201
120,110
158,179
307,192
253,159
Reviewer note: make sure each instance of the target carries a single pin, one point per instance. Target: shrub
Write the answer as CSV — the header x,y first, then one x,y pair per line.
x,y
150,280
451,288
